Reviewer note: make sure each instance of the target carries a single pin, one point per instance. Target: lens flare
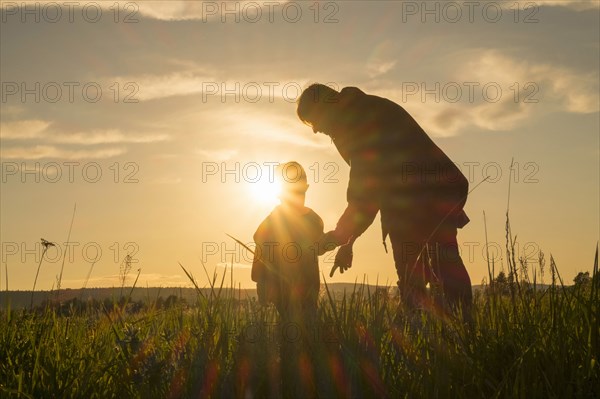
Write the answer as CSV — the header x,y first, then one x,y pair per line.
x,y
265,191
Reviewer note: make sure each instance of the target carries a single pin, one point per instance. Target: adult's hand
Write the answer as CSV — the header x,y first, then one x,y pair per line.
x,y
327,243
343,259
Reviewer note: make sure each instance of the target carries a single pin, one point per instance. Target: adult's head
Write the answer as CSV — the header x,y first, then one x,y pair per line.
x,y
317,107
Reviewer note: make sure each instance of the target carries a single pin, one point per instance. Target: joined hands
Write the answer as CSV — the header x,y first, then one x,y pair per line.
x,y
343,259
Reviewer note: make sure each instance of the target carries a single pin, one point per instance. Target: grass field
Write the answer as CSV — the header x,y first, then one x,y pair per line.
x,y
526,342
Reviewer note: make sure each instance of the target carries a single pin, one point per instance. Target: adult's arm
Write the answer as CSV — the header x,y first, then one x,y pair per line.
x,y
363,204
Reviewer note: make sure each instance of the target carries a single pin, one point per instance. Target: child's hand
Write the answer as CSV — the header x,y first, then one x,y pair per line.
x,y
343,259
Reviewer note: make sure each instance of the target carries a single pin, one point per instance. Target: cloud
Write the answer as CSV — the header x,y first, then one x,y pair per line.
x,y
522,85
577,5
188,77
263,129
209,10
105,137
23,130
167,180
11,110
46,151
379,67
449,119
178,10
503,115
235,265
173,10
195,80
184,83
218,155
382,60
579,92
165,280
216,11
574,91
39,129
249,126
162,10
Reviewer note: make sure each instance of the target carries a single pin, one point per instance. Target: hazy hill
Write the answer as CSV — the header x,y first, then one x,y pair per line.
x,y
21,299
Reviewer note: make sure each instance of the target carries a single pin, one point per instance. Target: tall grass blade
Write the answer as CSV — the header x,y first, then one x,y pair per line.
x,y
62,265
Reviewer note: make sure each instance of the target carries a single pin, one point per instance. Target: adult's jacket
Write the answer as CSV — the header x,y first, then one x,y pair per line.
x,y
395,168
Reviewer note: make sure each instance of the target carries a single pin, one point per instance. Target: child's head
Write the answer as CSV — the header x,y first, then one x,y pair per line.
x,y
293,182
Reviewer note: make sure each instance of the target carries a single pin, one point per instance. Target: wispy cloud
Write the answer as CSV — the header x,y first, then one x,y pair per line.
x,y
207,11
218,155
203,10
183,83
178,10
251,125
277,129
46,151
382,59
23,130
235,265
42,131
105,137
577,5
11,110
164,280
197,80
379,67
167,180
174,10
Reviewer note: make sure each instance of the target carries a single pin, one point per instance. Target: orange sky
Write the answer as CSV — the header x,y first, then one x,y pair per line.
x,y
156,121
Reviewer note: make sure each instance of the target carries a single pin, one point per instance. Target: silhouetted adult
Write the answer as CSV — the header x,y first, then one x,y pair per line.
x,y
397,170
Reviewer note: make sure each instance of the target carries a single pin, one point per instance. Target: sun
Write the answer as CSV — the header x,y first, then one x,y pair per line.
x,y
264,191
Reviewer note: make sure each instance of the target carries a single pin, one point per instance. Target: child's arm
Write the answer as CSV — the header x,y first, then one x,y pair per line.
x,y
259,268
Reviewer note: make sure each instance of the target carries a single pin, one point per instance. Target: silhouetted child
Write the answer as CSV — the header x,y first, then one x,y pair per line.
x,y
285,266
286,271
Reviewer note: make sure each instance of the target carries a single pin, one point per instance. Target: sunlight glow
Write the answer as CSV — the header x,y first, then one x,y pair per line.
x,y
265,192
